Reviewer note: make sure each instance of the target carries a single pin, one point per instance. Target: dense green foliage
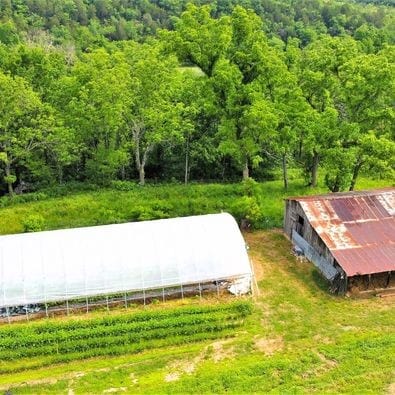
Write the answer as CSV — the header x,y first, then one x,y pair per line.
x,y
59,341
99,91
87,23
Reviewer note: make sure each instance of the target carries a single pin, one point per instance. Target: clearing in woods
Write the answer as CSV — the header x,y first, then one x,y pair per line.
x,y
298,339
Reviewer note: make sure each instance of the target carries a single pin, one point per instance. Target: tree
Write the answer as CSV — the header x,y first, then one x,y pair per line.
x,y
94,101
367,94
154,114
40,67
319,80
235,56
8,33
25,126
198,113
289,105
291,113
199,39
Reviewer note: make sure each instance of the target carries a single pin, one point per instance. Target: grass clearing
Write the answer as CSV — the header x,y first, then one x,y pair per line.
x,y
61,208
298,339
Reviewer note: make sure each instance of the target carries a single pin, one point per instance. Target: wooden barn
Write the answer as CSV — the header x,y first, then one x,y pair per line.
x,y
350,237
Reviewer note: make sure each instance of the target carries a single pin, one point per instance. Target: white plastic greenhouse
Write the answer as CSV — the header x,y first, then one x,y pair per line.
x,y
63,265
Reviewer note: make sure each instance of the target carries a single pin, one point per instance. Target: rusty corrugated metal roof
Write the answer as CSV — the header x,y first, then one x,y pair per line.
x,y
357,227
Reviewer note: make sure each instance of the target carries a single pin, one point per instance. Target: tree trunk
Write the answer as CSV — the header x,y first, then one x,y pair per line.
x,y
139,165
223,169
59,169
355,174
10,189
300,149
186,175
142,175
314,169
138,133
8,175
246,171
285,171
336,185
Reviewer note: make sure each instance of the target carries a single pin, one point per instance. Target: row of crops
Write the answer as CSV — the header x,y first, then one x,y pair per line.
x,y
49,342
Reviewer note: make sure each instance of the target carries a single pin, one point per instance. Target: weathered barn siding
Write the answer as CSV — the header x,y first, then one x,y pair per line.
x,y
294,211
315,250
353,232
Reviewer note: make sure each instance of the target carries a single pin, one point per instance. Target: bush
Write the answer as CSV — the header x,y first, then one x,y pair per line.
x,y
247,209
33,223
250,187
123,185
103,168
108,216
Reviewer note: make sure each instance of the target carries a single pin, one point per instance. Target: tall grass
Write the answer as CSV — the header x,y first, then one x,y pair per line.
x,y
65,207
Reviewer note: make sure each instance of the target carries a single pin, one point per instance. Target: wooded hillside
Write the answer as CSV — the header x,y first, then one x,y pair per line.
x,y
105,90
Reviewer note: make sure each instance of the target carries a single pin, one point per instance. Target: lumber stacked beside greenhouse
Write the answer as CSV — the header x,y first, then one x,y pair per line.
x,y
349,236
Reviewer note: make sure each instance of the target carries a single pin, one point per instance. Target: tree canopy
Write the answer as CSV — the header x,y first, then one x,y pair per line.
x,y
104,91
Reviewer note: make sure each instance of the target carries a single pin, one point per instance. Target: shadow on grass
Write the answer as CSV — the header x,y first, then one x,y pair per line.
x,y
304,272
321,282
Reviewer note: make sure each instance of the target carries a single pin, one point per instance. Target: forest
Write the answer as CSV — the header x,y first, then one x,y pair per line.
x,y
178,91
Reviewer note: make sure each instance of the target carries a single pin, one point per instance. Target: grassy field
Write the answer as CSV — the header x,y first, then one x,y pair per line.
x,y
60,208
298,339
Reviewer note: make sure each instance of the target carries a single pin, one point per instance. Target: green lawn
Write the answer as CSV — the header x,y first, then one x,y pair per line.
x,y
298,339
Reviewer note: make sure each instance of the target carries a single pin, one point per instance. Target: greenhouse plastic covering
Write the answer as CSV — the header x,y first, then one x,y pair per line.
x,y
65,264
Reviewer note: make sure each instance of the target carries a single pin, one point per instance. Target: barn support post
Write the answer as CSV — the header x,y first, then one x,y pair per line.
x,y
67,307
108,307
46,309
126,301
87,304
182,292
216,282
388,279
200,291
163,294
144,296
8,315
345,284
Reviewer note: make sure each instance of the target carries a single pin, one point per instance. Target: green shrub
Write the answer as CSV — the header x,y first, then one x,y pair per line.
x,y
250,187
247,209
108,216
33,223
123,185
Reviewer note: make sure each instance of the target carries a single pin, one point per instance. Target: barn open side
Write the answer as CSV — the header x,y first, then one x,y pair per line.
x,y
349,236
123,262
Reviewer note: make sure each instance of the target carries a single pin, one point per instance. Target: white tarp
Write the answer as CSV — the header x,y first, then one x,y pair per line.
x,y
63,264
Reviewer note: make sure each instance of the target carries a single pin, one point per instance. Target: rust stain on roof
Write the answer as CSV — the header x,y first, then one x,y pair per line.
x,y
358,228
